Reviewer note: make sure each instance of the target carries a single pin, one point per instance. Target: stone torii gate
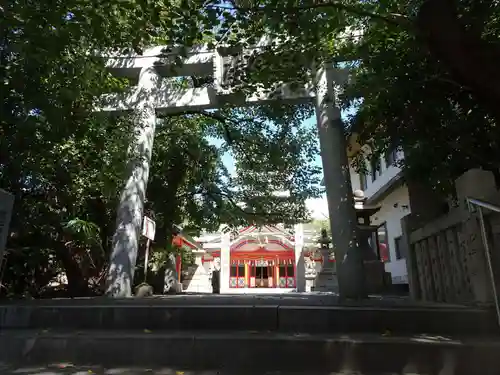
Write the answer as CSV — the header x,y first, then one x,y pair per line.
x,y
154,94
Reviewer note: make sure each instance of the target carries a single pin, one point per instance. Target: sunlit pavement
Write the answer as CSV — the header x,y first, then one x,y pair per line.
x,y
288,299
312,299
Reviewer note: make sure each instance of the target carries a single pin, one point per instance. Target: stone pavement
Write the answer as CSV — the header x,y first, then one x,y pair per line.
x,y
289,333
289,299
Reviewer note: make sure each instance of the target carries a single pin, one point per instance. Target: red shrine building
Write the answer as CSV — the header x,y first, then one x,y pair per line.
x,y
251,260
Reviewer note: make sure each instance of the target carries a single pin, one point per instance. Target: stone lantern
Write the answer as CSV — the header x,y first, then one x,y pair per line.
x,y
326,252
327,278
376,278
310,270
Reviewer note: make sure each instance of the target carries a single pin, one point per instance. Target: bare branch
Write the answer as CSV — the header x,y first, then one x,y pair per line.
x,y
439,78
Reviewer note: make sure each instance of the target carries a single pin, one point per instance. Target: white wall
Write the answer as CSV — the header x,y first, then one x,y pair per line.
x,y
387,174
391,212
384,175
393,208
355,181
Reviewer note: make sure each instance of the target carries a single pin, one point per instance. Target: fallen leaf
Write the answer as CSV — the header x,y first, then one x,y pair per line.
x,y
64,365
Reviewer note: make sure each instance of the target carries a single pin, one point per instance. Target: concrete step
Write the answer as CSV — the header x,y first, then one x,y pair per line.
x,y
245,352
275,318
68,369
97,370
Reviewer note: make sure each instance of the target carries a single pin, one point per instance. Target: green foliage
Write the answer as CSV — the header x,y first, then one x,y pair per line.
x,y
414,87
270,146
409,99
66,165
83,232
274,170
317,225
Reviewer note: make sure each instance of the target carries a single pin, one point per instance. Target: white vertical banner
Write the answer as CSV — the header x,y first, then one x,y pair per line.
x,y
299,235
225,261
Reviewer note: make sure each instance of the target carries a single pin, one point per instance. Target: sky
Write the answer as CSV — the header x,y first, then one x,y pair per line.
x,y
318,206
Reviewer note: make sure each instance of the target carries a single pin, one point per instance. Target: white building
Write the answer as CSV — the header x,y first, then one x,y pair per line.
x,y
383,185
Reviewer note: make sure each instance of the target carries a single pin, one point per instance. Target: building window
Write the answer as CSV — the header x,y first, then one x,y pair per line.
x,y
286,277
399,247
287,271
391,157
237,276
237,271
233,271
375,168
290,271
383,244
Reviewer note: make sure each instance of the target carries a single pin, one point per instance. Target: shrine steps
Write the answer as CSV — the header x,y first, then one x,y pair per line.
x,y
245,352
271,334
144,314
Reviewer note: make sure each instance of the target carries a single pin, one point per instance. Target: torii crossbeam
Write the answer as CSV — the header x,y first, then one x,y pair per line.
x,y
155,94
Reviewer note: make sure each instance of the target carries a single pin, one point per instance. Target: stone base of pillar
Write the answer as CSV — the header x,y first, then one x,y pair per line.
x,y
171,284
376,279
309,285
199,282
326,282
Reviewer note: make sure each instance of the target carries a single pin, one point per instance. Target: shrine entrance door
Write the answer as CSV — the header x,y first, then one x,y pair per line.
x,y
262,276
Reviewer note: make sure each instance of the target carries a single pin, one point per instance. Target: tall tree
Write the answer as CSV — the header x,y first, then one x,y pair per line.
x,y
66,166
60,162
407,99
458,34
189,169
425,70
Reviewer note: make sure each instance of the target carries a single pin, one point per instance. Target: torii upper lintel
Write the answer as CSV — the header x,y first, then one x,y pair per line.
x,y
154,94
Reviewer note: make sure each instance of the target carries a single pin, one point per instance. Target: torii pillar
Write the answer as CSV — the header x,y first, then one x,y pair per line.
x,y
119,282
225,261
149,96
300,271
343,224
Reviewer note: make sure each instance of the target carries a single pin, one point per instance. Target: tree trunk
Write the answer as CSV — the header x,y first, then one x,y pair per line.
x,y
170,205
77,283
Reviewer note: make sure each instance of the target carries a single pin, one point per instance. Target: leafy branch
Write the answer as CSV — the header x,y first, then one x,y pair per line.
x,y
391,18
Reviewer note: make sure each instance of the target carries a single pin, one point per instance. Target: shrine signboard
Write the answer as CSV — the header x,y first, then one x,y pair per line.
x,y
148,228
